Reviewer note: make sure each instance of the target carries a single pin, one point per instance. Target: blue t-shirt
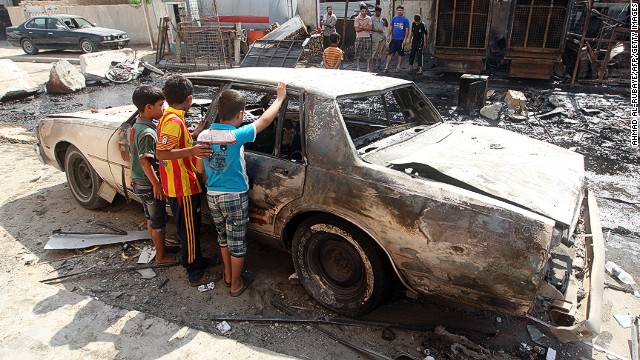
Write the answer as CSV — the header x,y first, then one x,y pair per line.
x,y
225,168
399,25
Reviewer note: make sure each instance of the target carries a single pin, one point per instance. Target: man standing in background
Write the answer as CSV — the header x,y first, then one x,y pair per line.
x,y
328,26
377,37
397,37
362,25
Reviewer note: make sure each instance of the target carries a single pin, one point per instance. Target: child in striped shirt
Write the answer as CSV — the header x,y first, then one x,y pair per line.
x,y
333,56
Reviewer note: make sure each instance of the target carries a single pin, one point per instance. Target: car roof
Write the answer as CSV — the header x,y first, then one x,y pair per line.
x,y
322,82
57,16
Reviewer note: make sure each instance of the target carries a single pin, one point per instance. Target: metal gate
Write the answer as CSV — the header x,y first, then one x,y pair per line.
x,y
537,37
461,34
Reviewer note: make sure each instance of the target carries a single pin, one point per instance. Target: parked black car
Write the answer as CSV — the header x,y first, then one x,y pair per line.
x,y
64,32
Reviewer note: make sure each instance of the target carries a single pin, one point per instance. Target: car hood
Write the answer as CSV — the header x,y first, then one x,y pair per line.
x,y
538,176
100,31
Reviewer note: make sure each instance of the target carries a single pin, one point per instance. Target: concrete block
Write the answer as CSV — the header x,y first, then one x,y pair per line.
x,y
94,66
15,82
491,112
516,100
64,78
472,93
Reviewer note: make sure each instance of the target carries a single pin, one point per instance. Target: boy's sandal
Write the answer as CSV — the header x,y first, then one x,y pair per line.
x,y
177,259
385,70
226,284
419,72
203,280
247,280
398,70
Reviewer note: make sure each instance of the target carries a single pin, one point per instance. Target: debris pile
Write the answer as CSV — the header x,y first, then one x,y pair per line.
x,y
457,346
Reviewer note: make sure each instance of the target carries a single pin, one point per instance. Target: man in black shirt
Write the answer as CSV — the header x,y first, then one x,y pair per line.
x,y
419,40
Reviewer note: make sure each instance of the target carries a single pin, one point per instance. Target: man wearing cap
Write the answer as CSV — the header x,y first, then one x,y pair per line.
x,y
362,24
418,41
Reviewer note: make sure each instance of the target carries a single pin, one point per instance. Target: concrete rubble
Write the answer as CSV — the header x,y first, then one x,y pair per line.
x,y
64,78
94,66
15,82
516,100
492,111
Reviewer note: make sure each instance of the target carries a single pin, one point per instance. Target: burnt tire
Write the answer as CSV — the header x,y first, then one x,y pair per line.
x,y
340,266
87,46
29,47
83,180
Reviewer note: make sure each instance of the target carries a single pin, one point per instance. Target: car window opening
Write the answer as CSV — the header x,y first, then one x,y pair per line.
x,y
374,117
283,137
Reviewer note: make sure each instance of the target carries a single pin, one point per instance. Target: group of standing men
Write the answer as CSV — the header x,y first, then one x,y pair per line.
x,y
371,40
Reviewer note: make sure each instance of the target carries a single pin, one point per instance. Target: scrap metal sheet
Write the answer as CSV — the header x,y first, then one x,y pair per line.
x,y
81,241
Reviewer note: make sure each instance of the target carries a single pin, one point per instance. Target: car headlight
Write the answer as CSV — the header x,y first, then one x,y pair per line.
x,y
107,38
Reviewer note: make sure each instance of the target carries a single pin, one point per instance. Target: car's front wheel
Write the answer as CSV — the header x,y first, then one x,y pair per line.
x,y
87,46
29,47
83,180
340,266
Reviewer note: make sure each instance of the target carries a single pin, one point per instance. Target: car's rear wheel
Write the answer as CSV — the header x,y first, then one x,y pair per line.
x,y
87,46
83,180
29,47
340,266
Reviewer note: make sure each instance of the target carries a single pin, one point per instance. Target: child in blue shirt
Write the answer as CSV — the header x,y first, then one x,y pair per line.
x,y
227,183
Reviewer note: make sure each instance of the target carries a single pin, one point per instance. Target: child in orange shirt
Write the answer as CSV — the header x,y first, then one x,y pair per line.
x,y
333,56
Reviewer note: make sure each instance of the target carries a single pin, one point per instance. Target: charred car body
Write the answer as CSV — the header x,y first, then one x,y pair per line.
x,y
361,180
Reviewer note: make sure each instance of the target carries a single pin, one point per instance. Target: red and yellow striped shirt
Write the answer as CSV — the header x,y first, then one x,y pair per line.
x,y
178,177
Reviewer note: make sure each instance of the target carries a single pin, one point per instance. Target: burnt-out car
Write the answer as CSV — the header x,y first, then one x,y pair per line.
x,y
64,32
364,184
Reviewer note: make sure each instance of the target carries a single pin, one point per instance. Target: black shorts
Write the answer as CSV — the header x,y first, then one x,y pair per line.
x,y
395,46
154,210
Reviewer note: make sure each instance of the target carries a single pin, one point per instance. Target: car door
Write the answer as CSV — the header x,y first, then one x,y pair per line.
x,y
36,30
275,160
119,158
58,35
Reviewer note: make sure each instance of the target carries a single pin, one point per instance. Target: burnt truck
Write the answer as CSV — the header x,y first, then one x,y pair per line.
x,y
361,180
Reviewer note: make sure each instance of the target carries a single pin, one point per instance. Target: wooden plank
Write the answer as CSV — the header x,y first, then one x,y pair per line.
x,y
546,30
453,21
470,24
526,36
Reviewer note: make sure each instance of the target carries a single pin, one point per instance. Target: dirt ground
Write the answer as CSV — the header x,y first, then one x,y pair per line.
x,y
36,201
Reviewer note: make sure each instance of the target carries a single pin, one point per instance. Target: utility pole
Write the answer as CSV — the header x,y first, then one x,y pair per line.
x,y
344,23
146,19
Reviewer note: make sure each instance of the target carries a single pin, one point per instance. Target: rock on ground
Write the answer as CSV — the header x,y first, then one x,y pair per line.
x,y
491,111
14,82
64,78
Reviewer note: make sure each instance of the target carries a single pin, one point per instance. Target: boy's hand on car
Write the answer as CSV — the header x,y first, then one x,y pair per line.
x,y
201,151
157,192
281,91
